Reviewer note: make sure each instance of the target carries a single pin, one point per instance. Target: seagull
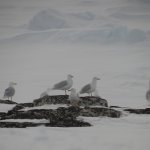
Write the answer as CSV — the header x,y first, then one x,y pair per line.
x,y
10,91
96,94
148,93
91,87
45,93
74,97
64,85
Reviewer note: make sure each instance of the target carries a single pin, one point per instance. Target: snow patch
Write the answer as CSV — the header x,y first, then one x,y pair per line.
x,y
6,107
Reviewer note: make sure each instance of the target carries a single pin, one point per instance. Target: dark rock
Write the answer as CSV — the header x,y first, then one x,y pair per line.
x,y
63,113
61,117
20,106
66,117
55,99
75,123
138,111
31,114
63,99
20,124
70,123
93,101
7,102
100,111
2,114
116,107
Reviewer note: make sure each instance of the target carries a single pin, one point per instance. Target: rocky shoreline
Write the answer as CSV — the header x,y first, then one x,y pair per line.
x,y
62,116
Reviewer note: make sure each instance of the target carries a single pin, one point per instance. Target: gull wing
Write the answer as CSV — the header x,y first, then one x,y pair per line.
x,y
60,85
9,92
148,95
85,89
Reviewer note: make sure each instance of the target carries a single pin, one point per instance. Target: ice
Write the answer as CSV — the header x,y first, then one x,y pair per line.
x,y
104,35
47,19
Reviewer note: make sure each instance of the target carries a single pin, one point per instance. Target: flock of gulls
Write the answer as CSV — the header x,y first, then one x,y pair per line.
x,y
66,85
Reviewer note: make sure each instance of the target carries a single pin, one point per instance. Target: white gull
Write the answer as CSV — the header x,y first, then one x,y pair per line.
x,y
10,91
148,93
74,97
64,85
91,87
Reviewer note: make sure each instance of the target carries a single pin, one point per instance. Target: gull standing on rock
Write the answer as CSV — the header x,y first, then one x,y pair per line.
x,y
96,94
91,87
64,85
148,93
74,97
10,91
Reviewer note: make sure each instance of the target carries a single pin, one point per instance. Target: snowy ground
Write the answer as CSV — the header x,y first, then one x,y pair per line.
x,y
43,41
127,133
130,132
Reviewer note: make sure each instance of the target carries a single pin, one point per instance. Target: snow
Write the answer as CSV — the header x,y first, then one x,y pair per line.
x,y
51,106
26,120
43,41
107,134
6,107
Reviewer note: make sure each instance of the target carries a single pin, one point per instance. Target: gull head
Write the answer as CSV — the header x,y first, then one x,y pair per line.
x,y
12,83
70,76
96,78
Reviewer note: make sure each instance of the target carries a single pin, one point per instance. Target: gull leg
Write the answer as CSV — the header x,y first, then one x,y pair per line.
x,y
65,92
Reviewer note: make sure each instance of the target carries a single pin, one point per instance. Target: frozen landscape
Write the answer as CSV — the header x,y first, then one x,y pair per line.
x,y
41,41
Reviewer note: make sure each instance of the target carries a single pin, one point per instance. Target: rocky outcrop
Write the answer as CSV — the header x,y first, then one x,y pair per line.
x,y
100,111
62,112
66,123
2,114
31,114
63,99
93,101
7,102
61,117
20,124
66,117
20,106
55,99
138,111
